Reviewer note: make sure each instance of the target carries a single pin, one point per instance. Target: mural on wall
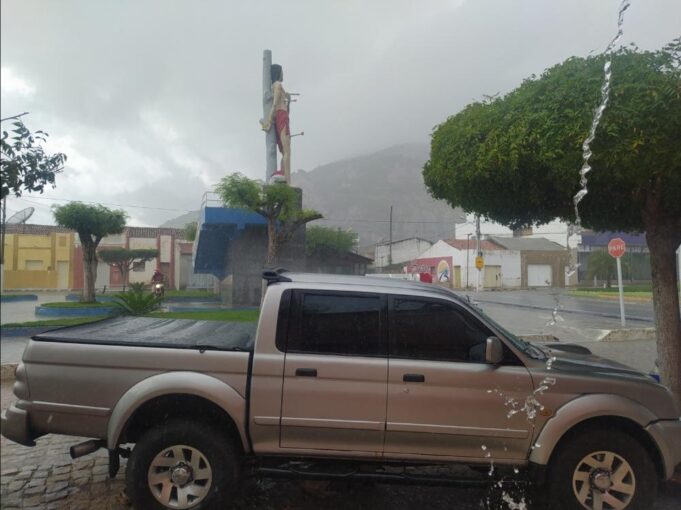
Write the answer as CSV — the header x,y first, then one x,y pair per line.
x,y
443,272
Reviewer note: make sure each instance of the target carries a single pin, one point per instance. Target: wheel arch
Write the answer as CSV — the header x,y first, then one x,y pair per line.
x,y
200,394
596,412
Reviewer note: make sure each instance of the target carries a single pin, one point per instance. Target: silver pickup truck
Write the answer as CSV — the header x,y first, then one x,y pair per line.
x,y
348,377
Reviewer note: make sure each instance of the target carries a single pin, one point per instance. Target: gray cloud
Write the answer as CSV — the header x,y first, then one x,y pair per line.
x,y
155,100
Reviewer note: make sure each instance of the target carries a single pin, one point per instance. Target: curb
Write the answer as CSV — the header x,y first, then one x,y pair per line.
x,y
25,297
27,331
46,311
629,335
7,371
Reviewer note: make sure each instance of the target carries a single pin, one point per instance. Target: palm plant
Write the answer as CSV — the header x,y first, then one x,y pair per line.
x,y
137,302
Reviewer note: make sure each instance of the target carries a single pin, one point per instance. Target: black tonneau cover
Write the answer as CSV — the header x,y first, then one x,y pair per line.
x,y
152,332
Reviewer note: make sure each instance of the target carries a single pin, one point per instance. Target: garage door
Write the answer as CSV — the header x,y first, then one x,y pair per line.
x,y
538,275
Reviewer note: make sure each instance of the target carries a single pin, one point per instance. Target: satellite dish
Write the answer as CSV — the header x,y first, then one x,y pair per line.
x,y
20,217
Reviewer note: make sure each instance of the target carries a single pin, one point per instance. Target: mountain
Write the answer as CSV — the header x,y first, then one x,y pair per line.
x,y
357,193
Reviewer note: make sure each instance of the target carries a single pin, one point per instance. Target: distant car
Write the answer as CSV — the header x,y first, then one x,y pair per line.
x,y
343,376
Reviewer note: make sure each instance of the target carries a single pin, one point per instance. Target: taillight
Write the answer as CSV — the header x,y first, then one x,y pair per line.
x,y
21,383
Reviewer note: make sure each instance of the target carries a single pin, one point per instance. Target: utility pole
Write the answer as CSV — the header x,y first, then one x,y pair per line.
x,y
477,248
267,98
390,239
468,257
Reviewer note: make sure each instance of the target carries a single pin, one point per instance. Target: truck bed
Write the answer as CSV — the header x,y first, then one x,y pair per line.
x,y
157,332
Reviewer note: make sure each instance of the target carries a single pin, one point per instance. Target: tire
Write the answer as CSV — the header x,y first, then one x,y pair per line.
x,y
612,459
203,464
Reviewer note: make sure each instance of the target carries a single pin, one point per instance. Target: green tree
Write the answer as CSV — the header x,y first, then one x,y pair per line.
x,y
515,160
93,223
124,258
190,231
25,165
277,203
603,266
324,242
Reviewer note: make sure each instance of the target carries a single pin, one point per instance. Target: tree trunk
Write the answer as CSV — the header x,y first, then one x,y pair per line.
x,y
663,241
272,243
90,272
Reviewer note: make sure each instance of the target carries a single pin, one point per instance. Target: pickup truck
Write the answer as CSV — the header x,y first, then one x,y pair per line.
x,y
351,377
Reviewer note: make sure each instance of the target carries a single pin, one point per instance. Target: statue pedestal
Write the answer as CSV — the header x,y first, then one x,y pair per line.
x,y
246,256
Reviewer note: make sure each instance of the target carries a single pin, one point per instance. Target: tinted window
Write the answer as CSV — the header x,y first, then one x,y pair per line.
x,y
436,330
337,324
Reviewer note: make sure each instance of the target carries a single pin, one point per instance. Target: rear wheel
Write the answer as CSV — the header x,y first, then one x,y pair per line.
x,y
182,465
601,470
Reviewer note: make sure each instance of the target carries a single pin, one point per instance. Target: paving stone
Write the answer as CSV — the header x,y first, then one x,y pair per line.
x,y
101,469
61,470
34,490
56,487
16,485
9,472
33,500
59,478
41,473
56,495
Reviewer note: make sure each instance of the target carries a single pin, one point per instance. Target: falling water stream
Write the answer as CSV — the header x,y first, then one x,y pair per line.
x,y
532,405
576,228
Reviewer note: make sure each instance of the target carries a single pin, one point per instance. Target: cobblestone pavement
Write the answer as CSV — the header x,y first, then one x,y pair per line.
x,y
45,477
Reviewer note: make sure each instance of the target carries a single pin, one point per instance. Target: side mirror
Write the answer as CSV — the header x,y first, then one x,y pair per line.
x,y
494,351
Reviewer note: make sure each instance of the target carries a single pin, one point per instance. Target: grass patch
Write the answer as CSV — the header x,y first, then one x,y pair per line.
x,y
646,287
218,315
75,321
641,295
76,304
190,293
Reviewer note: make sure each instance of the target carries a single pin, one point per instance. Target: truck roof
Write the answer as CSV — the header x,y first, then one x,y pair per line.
x,y
368,283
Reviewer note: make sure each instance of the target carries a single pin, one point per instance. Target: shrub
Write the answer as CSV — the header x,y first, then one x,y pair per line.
x,y
136,302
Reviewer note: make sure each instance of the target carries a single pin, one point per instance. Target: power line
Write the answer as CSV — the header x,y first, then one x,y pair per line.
x,y
112,204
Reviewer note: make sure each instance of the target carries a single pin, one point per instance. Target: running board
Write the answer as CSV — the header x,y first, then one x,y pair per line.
x,y
396,478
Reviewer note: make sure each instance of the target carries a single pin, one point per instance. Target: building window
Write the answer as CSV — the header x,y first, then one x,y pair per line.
x,y
34,265
139,267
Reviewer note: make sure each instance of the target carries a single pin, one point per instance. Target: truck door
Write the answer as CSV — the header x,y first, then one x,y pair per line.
x,y
335,372
443,399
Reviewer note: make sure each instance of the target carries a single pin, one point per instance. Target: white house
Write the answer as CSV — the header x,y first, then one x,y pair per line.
x,y
453,260
399,252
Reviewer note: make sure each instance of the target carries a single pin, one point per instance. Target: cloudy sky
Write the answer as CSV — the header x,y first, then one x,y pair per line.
x,y
154,101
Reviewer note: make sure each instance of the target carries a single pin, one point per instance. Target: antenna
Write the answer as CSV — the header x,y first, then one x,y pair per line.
x,y
21,217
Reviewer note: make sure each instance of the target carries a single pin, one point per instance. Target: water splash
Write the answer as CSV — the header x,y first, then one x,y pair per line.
x,y
598,114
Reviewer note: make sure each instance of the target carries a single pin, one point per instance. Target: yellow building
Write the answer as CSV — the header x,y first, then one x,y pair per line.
x,y
38,257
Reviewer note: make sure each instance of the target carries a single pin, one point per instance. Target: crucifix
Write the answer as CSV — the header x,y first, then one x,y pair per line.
x,y
275,122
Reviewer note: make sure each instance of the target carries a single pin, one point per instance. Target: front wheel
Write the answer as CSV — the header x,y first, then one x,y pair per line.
x,y
182,465
602,470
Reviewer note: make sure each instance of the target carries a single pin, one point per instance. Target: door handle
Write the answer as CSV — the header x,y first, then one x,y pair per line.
x,y
306,372
414,378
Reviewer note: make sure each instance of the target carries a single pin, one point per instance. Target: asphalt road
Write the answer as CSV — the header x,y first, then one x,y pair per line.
x,y
639,314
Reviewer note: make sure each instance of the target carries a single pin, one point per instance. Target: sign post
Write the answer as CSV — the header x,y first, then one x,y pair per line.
x,y
616,248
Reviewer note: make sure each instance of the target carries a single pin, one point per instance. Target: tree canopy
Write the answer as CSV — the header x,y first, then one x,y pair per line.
x,y
323,241
515,159
124,258
93,223
25,165
278,203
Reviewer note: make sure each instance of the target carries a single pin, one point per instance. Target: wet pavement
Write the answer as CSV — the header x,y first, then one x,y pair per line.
x,y
640,314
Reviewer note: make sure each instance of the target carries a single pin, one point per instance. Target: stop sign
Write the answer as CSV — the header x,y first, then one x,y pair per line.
x,y
616,247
